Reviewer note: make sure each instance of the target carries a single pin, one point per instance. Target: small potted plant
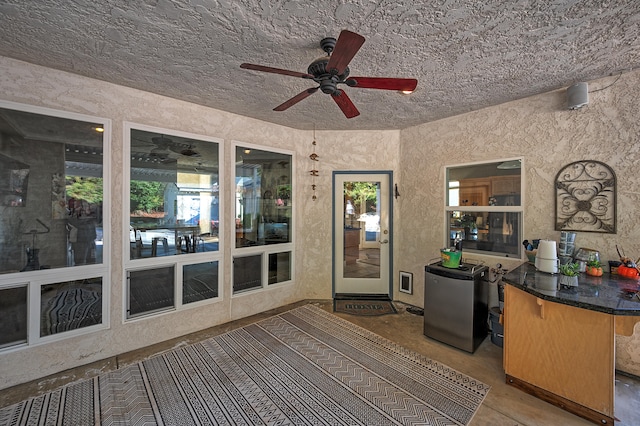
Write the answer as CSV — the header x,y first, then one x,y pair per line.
x,y
594,268
569,274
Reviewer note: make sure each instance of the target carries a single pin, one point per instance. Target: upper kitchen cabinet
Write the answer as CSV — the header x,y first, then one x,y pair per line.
x,y
475,192
505,185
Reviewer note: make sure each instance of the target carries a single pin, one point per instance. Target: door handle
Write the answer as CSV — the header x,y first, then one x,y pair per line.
x,y
383,242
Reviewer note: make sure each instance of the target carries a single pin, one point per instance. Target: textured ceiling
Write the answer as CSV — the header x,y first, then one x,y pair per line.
x,y
466,55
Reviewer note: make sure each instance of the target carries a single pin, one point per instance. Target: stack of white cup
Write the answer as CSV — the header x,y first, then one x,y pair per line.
x,y
567,246
547,257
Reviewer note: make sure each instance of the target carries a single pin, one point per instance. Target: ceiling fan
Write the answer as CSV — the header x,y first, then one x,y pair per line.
x,y
331,70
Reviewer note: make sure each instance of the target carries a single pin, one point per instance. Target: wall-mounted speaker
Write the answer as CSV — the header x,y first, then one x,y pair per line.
x,y
578,95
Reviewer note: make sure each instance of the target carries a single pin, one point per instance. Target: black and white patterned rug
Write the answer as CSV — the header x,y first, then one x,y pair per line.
x,y
71,309
302,367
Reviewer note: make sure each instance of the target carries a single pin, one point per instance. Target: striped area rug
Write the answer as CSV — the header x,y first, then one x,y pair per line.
x,y
71,309
302,367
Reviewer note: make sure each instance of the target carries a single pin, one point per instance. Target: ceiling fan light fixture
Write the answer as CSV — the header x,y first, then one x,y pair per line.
x,y
189,152
510,165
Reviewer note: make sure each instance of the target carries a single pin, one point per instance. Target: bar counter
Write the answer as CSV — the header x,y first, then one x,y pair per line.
x,y
610,294
559,342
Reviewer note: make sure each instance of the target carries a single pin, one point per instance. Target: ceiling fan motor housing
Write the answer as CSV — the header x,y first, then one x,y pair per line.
x,y
327,80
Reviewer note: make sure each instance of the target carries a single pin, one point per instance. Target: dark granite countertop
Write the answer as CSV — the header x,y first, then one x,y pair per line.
x,y
611,294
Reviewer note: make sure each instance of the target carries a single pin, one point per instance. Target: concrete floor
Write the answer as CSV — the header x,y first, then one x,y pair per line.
x,y
504,405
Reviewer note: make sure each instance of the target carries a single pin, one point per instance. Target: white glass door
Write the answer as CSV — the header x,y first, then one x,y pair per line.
x,y
362,235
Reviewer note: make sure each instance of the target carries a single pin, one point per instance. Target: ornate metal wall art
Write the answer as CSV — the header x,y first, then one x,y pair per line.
x,y
586,197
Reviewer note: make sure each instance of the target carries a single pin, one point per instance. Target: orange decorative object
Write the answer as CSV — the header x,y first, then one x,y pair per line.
x,y
594,271
625,271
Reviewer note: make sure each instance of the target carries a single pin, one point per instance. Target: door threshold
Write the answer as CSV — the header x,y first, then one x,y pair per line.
x,y
360,296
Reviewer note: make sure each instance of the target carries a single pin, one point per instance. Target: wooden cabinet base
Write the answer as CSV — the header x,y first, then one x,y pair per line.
x,y
565,351
558,401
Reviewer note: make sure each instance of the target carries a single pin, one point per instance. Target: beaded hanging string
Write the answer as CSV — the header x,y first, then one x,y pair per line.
x,y
314,171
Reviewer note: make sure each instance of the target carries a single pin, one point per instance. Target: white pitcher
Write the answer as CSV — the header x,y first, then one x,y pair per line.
x,y
547,257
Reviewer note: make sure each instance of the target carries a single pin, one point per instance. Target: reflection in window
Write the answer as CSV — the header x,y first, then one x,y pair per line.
x,y
494,231
150,290
484,207
263,199
247,273
13,316
279,267
174,195
485,184
200,282
51,186
70,305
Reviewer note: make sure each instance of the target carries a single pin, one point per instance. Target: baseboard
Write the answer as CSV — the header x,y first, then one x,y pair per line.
x,y
566,404
629,375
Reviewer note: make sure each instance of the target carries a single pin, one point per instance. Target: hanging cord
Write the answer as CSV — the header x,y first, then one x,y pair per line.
x,y
606,87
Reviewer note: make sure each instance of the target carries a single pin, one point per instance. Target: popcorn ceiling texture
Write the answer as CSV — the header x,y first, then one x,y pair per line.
x,y
465,54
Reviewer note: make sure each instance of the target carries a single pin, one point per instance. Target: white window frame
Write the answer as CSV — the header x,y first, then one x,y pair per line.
x,y
266,249
498,209
178,261
38,278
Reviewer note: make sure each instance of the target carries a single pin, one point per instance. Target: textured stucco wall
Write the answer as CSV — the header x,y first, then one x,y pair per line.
x,y
32,85
338,151
548,136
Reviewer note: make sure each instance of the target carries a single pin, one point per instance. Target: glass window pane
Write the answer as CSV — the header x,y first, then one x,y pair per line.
x,y
174,195
151,290
70,305
199,282
279,267
362,207
485,184
247,273
51,172
263,197
13,316
484,231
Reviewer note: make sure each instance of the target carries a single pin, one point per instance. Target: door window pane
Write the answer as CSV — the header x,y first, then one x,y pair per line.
x,y
151,290
174,195
279,267
263,199
361,229
199,282
51,186
247,273
13,316
70,305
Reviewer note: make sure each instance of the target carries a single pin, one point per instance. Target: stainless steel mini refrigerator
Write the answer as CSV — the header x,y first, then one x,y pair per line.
x,y
456,305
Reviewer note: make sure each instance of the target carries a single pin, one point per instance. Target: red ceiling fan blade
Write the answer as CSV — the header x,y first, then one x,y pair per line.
x,y
345,104
402,84
346,48
275,70
297,98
